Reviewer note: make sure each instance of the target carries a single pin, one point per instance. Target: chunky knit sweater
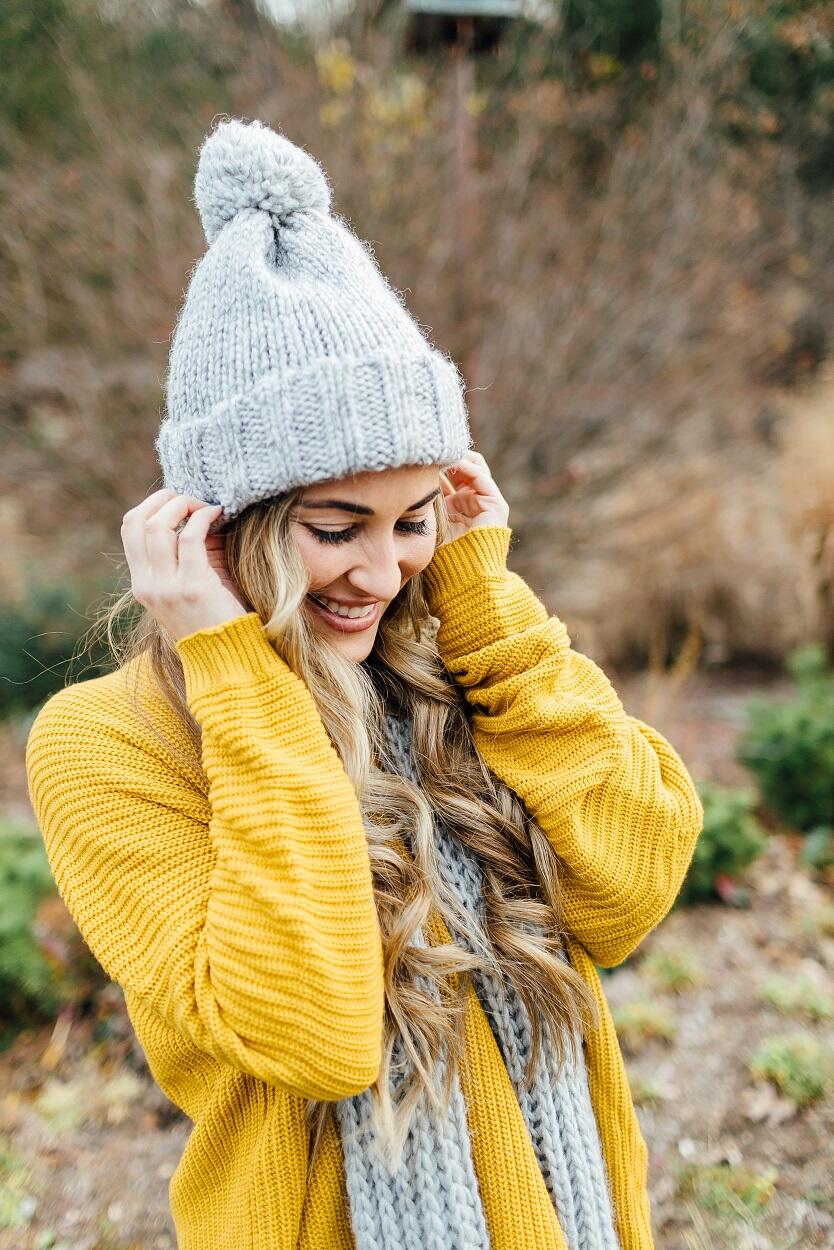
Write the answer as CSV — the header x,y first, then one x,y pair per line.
x,y
430,1199
240,922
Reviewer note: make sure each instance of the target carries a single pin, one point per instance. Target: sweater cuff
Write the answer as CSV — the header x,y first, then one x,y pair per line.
x,y
236,652
479,553
475,596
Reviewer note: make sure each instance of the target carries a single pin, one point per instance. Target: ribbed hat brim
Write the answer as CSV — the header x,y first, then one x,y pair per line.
x,y
330,419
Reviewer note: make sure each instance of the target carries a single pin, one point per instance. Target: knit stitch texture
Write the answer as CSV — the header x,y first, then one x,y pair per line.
x,y
293,360
238,916
431,1201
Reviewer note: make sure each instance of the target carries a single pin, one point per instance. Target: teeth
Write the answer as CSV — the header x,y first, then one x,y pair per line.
x,y
339,609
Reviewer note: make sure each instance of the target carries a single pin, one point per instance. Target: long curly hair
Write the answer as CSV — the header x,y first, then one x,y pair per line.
x,y
520,934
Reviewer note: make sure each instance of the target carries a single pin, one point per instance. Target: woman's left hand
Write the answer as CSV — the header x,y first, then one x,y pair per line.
x,y
472,499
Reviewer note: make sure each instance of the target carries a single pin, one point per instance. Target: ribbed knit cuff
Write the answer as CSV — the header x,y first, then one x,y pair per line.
x,y
233,653
477,599
457,565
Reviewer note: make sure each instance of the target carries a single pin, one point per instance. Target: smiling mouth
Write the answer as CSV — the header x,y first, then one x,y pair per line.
x,y
361,618
351,611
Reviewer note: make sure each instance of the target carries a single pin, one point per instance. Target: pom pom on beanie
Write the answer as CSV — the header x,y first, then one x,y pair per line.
x,y
247,165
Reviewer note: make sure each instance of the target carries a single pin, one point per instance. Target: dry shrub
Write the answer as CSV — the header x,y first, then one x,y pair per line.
x,y
638,294
635,356
805,470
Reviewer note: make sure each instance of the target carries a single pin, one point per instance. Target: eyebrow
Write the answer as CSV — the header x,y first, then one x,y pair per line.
x,y
359,509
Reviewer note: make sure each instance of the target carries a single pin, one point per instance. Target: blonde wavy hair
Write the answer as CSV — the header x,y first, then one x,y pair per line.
x,y
521,933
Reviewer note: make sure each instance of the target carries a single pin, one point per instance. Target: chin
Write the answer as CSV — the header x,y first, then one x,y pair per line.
x,y
356,647
360,648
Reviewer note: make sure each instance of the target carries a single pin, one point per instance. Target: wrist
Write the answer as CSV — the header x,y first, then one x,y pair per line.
x,y
187,627
481,553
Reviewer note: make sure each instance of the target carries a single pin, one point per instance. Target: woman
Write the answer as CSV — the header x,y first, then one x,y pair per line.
x,y
352,824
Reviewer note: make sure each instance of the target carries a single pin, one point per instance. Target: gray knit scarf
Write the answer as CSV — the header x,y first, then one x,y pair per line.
x,y
432,1201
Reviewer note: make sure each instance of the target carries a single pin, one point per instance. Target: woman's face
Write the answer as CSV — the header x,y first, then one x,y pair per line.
x,y
362,537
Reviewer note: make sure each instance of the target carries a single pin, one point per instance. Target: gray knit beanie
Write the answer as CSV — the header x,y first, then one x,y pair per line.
x,y
293,361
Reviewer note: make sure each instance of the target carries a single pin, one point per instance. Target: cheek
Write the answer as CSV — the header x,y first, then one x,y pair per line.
x,y
418,555
325,564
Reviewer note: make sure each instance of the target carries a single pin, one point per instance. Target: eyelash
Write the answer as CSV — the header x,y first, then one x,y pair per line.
x,y
344,536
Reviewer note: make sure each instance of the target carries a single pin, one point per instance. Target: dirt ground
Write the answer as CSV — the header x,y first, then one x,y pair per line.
x,y
88,1144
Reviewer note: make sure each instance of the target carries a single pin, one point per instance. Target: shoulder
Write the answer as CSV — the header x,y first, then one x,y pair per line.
x,y
106,721
110,704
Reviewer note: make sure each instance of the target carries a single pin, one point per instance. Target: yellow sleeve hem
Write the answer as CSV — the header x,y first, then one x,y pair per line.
x,y
479,553
477,599
233,653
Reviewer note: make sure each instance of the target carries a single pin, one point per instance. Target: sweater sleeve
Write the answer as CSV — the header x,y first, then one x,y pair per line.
x,y
611,794
244,917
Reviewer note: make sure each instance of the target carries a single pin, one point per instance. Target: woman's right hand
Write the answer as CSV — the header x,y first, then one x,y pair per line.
x,y
180,577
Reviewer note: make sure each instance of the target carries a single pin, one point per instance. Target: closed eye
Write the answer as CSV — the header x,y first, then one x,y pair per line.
x,y
345,535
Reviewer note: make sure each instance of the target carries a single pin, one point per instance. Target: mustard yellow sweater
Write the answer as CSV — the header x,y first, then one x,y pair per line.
x,y
241,924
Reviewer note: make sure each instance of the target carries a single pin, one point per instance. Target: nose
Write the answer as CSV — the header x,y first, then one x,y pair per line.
x,y
380,574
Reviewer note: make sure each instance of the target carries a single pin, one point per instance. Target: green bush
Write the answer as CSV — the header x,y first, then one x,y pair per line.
x,y
730,840
33,83
789,58
159,54
28,985
725,1188
818,848
675,969
797,995
801,1068
789,746
37,641
643,1020
625,29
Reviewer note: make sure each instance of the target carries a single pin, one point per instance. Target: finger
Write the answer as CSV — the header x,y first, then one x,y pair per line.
x,y
215,547
160,533
476,475
133,534
466,466
468,503
133,541
193,554
475,458
473,474
149,505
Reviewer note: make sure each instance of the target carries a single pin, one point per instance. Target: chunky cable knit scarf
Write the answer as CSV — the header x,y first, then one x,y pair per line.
x,y
432,1201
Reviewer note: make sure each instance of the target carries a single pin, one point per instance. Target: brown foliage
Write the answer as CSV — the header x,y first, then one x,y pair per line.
x,y
643,305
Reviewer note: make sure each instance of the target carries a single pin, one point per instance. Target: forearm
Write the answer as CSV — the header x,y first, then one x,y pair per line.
x,y
292,948
244,916
611,793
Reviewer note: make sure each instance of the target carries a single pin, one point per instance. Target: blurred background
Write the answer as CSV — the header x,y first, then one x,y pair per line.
x,y
617,216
